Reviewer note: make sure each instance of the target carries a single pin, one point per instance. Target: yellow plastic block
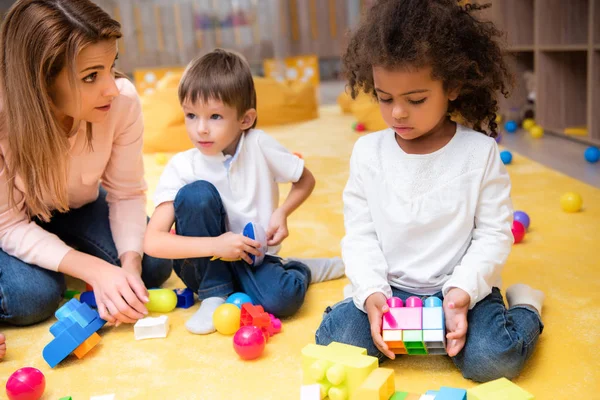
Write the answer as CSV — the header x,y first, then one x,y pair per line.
x,y
378,386
339,368
86,346
577,131
500,389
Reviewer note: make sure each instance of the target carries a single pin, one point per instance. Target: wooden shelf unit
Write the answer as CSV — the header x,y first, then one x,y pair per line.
x,y
559,41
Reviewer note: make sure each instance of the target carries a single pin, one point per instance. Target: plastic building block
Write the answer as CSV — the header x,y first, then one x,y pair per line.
x,y
86,346
66,398
70,294
76,323
405,396
256,315
185,298
310,392
427,397
447,393
500,389
103,397
433,318
275,324
150,328
339,369
89,299
379,385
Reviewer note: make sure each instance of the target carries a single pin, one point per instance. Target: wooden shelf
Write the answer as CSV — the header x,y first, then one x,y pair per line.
x,y
563,47
519,62
594,108
520,48
560,22
515,18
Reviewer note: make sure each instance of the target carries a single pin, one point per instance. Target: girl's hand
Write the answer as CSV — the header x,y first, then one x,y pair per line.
x,y
120,294
232,246
376,306
278,229
456,306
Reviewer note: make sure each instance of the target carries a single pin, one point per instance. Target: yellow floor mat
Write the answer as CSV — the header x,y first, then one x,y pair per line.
x,y
560,255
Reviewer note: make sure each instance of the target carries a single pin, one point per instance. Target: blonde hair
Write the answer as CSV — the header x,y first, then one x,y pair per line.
x,y
39,38
223,75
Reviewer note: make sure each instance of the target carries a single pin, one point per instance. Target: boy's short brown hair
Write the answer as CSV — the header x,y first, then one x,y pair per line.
x,y
222,75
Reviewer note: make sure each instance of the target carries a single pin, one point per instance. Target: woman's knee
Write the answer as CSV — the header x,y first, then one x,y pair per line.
x,y
198,196
33,305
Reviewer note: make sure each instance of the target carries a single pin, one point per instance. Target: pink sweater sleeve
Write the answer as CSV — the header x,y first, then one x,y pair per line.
x,y
123,177
22,238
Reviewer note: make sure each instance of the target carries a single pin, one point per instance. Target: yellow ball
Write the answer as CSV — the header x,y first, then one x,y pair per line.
x,y
227,319
161,300
528,123
536,132
161,158
498,118
571,202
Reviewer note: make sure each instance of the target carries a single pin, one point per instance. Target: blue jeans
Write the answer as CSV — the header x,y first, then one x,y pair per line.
x,y
30,294
499,341
279,288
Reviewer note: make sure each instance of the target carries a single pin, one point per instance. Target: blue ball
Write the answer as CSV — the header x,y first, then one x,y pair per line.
x,y
592,154
522,217
511,126
238,299
506,156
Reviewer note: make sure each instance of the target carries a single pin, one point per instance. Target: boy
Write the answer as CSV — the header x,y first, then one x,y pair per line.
x,y
229,179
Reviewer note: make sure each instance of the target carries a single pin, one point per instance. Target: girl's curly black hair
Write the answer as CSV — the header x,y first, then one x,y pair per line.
x,y
462,51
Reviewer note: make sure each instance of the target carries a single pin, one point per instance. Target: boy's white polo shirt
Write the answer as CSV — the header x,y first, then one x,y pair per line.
x,y
248,183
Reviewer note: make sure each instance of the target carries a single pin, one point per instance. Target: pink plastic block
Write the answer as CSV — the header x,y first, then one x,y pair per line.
x,y
406,318
414,301
394,302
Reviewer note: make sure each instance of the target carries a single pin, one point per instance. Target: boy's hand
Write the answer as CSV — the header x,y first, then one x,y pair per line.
x,y
456,306
278,229
376,306
232,246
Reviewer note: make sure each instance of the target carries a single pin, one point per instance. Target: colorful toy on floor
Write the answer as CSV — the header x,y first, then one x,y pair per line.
x,y
88,298
448,393
310,392
255,232
161,300
511,126
415,329
339,369
359,127
249,342
26,384
252,315
528,123
506,157
299,155
72,294
161,158
523,218
76,324
226,319
518,231
238,299
499,389
185,298
571,202
151,328
536,132
378,385
592,154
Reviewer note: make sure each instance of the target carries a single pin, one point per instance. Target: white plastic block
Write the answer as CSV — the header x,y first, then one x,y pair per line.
x,y
149,328
427,397
392,336
310,392
433,318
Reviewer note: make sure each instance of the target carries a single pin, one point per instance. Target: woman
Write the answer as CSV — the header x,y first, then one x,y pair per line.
x,y
68,122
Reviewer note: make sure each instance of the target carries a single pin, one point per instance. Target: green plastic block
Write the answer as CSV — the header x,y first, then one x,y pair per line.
x,y
66,398
399,396
69,294
416,352
412,336
499,389
414,345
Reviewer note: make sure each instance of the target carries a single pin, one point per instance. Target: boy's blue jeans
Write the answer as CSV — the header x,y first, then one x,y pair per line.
x,y
30,294
499,341
280,288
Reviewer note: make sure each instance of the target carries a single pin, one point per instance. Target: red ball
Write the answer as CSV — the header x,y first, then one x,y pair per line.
x,y
249,342
360,127
26,384
518,231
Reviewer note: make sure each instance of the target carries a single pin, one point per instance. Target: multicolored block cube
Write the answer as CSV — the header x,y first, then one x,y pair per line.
x,y
415,328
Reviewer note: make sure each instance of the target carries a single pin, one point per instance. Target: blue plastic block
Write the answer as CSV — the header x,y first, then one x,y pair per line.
x,y
185,298
447,393
76,323
89,299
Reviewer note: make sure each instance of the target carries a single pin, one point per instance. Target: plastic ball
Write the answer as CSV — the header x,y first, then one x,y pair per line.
x,y
26,384
238,299
506,156
160,158
161,300
498,118
536,132
571,202
226,318
518,231
511,126
592,154
359,127
522,217
528,123
249,342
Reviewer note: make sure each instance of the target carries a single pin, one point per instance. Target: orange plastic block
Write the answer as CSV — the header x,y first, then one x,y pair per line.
x,y
393,338
86,346
378,386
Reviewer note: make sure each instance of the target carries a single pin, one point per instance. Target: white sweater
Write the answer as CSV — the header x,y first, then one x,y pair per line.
x,y
424,223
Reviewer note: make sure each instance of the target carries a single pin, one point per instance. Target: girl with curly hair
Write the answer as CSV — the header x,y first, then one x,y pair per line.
x,y
427,206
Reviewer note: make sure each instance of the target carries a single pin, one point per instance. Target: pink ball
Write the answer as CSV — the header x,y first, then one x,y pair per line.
x,y
249,342
26,384
518,231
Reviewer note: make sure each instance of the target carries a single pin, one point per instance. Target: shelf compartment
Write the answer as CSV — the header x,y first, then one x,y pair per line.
x,y
562,22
